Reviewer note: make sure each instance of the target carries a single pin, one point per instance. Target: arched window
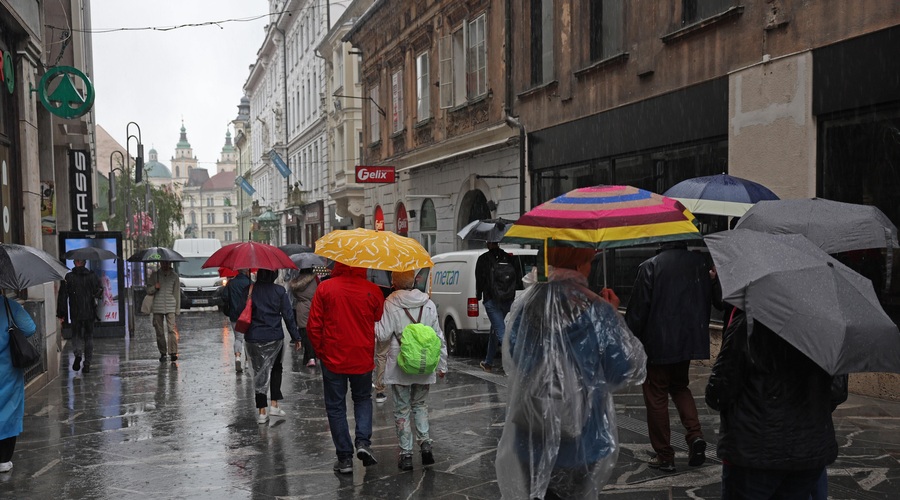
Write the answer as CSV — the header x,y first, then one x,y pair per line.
x,y
474,206
428,225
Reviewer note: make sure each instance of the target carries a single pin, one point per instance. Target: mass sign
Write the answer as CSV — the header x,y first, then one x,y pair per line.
x,y
64,100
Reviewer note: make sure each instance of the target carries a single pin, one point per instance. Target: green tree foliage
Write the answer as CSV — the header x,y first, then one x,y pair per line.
x,y
167,203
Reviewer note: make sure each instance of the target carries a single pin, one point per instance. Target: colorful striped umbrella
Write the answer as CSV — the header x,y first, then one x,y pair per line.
x,y
604,217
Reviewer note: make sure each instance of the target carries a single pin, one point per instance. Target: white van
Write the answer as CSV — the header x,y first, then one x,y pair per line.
x,y
453,291
198,285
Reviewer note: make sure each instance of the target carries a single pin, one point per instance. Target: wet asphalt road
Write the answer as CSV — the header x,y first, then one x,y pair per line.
x,y
138,428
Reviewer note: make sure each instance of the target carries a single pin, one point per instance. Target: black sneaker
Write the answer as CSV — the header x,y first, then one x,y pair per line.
x,y
661,465
174,357
405,462
427,455
77,364
365,454
87,367
697,451
343,466
163,358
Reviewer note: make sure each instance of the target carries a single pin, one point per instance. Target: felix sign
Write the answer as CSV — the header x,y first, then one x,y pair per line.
x,y
372,174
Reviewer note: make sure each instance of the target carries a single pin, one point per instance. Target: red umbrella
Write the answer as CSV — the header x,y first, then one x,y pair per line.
x,y
249,255
224,272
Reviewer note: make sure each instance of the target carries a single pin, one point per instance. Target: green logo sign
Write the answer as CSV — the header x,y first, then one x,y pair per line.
x,y
7,72
64,100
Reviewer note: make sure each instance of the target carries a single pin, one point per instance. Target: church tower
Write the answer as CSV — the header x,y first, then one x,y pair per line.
x,y
228,157
184,160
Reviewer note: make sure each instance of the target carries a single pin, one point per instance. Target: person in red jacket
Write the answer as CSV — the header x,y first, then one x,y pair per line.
x,y
341,329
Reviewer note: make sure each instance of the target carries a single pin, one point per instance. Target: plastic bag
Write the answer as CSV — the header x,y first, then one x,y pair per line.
x,y
262,357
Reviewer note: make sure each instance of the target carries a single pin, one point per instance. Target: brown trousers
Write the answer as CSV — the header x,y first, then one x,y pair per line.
x,y
664,381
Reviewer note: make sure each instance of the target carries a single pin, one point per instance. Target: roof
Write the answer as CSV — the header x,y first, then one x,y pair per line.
x,y
182,140
156,169
223,181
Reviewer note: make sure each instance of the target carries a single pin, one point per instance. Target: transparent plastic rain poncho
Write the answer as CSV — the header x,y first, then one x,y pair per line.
x,y
565,351
262,357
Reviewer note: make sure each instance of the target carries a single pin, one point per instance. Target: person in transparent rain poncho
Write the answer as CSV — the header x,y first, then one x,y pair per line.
x,y
566,351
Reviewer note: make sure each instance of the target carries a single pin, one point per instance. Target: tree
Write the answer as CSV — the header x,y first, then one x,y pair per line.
x,y
164,201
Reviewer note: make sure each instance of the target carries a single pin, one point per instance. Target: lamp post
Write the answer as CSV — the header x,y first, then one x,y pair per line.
x,y
129,312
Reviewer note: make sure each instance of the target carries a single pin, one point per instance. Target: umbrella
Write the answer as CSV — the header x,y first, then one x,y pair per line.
x,y
491,230
292,248
156,254
249,255
23,266
834,226
308,260
720,194
90,253
820,306
373,250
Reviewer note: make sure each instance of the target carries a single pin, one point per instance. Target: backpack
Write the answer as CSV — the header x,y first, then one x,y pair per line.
x,y
420,347
503,280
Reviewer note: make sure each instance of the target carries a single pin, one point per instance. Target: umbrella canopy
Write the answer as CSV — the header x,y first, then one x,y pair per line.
x,y
491,230
834,226
292,248
308,260
90,253
249,255
605,217
156,254
373,250
820,306
22,266
721,194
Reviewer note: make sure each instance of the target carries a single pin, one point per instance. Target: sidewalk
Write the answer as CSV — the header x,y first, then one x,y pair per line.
x,y
139,428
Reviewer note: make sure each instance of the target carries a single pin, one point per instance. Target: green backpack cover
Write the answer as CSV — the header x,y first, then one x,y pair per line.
x,y
420,347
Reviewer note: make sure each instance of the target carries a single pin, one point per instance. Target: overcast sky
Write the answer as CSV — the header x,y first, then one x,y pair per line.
x,y
157,78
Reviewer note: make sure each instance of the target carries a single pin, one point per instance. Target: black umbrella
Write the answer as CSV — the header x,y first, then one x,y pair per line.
x,y
156,254
22,266
90,253
292,248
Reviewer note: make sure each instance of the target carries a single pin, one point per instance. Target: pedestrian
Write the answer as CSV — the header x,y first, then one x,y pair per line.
x,y
567,351
12,381
776,434
77,304
341,327
409,392
384,281
165,287
496,280
271,307
303,286
236,296
669,312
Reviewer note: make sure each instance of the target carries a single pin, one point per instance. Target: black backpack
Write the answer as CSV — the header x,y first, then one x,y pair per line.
x,y
503,280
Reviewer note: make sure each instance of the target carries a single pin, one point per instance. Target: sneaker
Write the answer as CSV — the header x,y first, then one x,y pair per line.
x,y
427,455
311,363
405,462
380,397
163,358
697,451
77,364
365,454
486,367
237,365
262,418
344,466
5,466
174,357
661,465
87,367
276,411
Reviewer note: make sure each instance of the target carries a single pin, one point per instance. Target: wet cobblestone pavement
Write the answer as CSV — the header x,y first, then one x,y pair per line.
x,y
138,428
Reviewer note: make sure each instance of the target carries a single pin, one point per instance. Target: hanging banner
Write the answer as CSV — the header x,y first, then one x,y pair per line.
x,y
80,195
279,164
243,184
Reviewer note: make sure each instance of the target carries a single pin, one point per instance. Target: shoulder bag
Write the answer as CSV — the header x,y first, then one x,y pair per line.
x,y
23,353
242,324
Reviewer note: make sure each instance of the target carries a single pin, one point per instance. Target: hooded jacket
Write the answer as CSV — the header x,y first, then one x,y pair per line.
x,y
341,324
303,287
391,326
271,305
167,299
82,287
236,295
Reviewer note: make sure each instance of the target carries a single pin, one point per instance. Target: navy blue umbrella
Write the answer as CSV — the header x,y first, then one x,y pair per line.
x,y
721,194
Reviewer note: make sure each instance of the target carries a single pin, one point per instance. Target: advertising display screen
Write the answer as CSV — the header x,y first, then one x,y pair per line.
x,y
111,306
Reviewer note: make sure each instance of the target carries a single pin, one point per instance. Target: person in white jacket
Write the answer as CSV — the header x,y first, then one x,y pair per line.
x,y
409,391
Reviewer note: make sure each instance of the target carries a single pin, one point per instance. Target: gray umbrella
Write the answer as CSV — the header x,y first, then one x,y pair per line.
x,y
307,260
485,230
156,254
90,253
23,266
820,306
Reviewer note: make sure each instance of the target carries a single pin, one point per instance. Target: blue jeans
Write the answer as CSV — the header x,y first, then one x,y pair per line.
x,y
335,388
496,312
745,483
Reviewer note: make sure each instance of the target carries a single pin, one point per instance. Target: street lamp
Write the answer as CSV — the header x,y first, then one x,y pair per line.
x,y
337,103
139,159
112,185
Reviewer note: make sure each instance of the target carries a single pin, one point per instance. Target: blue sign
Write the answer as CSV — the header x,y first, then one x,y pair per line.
x,y
279,164
240,181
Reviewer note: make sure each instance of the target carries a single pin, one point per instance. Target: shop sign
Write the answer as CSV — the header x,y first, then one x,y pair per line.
x,y
314,213
375,174
402,220
64,100
81,197
7,72
379,219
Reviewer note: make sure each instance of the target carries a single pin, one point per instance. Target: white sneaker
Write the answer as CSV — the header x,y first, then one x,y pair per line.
x,y
380,397
5,466
262,418
237,365
276,411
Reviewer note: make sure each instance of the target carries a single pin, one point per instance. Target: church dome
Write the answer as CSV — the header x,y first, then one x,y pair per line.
x,y
155,169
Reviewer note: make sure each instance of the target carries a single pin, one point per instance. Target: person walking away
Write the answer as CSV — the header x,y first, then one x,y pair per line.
x,y
496,280
566,352
341,327
165,286
410,392
12,381
777,434
383,280
271,307
77,304
303,286
669,312
236,295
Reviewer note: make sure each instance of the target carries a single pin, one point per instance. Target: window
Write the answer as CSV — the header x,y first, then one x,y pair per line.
x,y
428,225
210,218
541,41
193,218
463,64
209,201
338,76
374,121
227,235
423,88
397,118
476,72
607,21
697,10
211,235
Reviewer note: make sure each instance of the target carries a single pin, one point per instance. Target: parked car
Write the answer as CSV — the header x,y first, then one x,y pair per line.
x,y
198,285
462,316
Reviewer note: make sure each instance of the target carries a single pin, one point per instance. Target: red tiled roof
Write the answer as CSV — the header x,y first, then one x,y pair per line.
x,y
220,181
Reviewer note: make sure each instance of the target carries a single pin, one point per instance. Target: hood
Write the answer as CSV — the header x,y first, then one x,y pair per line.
x,y
408,298
345,270
303,281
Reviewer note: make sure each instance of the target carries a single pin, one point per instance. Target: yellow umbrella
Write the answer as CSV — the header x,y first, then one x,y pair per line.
x,y
373,250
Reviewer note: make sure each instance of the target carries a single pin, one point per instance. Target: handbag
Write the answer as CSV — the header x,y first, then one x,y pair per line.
x,y
242,324
147,304
23,353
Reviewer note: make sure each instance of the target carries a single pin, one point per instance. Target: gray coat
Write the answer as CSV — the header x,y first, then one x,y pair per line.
x,y
167,299
303,287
